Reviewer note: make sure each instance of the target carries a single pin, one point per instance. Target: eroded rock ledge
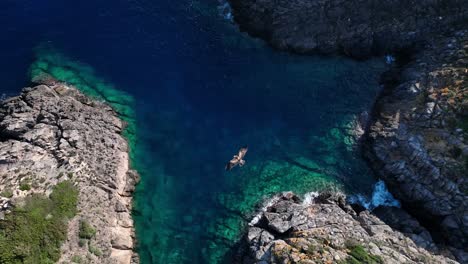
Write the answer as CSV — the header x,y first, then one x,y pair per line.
x,y
417,141
328,230
357,28
52,132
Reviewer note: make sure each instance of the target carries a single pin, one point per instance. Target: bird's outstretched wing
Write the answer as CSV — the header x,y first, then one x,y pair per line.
x,y
230,165
242,152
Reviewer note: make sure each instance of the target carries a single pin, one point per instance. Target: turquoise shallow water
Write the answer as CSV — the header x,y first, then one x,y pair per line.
x,y
195,90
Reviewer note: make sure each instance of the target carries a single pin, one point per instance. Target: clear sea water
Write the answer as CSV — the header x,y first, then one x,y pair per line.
x,y
202,90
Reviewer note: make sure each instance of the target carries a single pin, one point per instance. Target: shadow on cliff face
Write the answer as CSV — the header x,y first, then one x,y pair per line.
x,y
417,149
354,28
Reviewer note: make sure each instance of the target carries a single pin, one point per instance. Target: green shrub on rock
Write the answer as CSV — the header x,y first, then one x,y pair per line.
x,y
358,255
77,259
65,198
94,250
34,232
25,186
82,242
86,230
8,193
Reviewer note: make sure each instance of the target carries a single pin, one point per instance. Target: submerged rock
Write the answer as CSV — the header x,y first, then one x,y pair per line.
x,y
353,27
328,230
51,133
417,142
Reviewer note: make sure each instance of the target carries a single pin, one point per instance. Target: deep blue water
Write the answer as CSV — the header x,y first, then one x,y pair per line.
x,y
203,89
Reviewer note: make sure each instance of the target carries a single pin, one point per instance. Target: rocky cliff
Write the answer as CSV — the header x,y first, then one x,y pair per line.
x,y
51,133
417,141
417,138
358,28
328,230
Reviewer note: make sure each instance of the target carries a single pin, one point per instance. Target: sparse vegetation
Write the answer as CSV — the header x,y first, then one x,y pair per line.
x,y
77,259
34,232
358,255
8,193
82,242
310,250
86,230
25,186
94,250
65,198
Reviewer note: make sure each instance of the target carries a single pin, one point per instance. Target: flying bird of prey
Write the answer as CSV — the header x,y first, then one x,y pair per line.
x,y
237,159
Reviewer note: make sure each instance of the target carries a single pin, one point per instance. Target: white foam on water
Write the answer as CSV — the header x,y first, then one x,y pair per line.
x,y
380,197
309,198
263,209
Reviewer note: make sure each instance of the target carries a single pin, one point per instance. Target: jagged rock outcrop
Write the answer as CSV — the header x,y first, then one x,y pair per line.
x,y
418,139
328,230
53,132
358,28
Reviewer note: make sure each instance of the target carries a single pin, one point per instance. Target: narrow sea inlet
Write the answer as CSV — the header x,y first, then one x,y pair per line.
x,y
200,90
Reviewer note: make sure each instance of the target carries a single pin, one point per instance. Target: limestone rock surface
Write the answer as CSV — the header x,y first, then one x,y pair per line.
x,y
418,139
51,133
328,230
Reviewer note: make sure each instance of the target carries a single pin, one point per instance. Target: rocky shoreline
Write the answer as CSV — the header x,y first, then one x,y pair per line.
x,y
51,133
328,230
417,140
354,28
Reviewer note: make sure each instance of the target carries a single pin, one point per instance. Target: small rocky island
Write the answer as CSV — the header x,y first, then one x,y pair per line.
x,y
63,154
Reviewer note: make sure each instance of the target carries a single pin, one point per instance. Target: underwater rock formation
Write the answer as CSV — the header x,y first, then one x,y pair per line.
x,y
418,139
51,67
356,28
328,230
51,133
